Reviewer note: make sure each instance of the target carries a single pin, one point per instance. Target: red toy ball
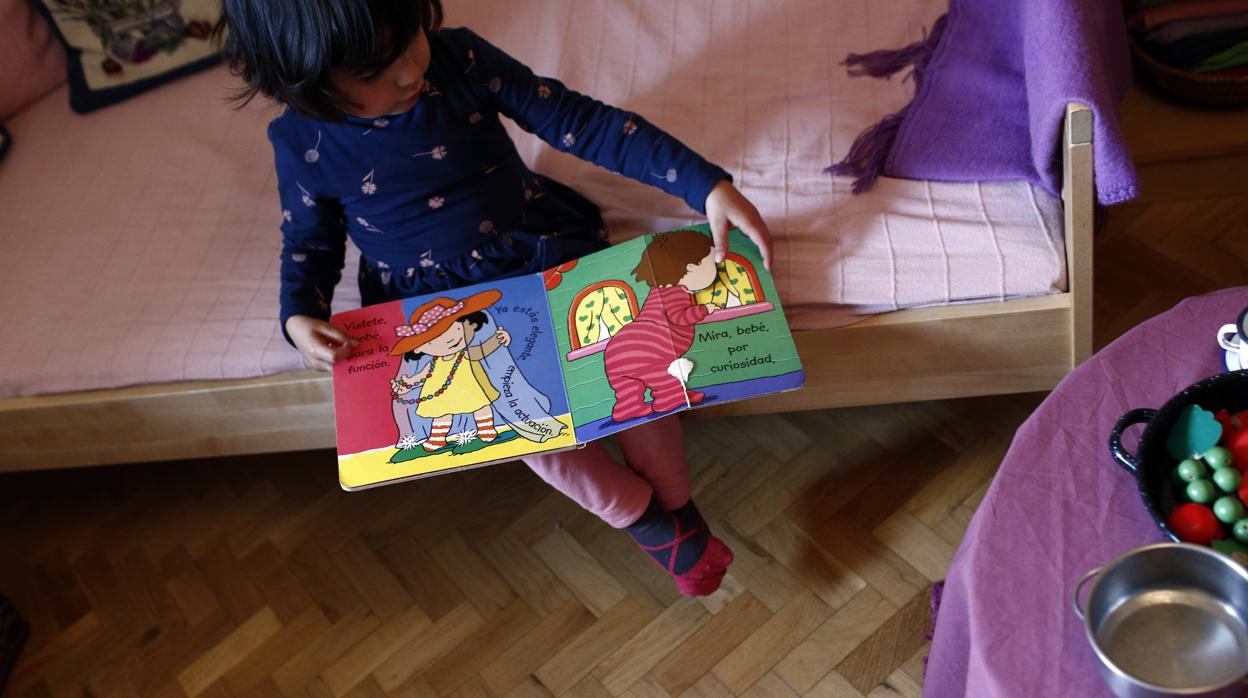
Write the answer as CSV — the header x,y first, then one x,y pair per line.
x,y
1195,523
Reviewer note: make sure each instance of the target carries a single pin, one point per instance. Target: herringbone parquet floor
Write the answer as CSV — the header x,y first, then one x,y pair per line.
x,y
258,577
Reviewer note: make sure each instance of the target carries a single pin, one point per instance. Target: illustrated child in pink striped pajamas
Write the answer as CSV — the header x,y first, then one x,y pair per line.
x,y
675,265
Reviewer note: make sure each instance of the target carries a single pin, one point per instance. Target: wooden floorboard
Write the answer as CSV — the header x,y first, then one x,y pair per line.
x,y
256,576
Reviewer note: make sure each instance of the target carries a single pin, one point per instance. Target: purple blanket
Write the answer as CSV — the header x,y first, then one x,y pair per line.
x,y
992,82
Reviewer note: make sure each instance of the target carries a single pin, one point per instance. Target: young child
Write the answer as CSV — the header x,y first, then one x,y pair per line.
x,y
675,266
392,137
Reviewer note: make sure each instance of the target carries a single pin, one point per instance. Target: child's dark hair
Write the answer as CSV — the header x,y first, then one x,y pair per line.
x,y
668,256
285,49
477,320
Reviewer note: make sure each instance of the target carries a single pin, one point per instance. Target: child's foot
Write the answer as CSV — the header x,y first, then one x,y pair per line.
x,y
705,576
680,543
695,397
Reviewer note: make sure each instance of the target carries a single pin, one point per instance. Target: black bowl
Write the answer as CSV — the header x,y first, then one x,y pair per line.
x,y
1153,464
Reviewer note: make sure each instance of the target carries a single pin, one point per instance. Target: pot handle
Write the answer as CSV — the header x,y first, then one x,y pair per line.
x,y
1131,418
1079,587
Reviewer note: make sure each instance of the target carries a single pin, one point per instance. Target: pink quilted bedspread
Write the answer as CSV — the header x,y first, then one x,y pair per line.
x,y
140,242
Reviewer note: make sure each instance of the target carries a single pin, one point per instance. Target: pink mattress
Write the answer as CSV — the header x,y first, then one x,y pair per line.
x,y
140,242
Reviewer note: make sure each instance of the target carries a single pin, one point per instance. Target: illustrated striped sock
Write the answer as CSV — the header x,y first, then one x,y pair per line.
x,y
485,428
437,437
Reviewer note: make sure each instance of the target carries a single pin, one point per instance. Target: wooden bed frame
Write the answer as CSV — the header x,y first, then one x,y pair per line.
x,y
923,354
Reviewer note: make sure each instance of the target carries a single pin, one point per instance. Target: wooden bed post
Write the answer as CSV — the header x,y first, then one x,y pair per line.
x,y
1078,194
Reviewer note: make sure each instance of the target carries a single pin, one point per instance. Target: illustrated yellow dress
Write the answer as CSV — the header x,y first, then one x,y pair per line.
x,y
455,386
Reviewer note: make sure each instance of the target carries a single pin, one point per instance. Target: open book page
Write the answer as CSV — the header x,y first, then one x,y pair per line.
x,y
449,381
653,326
744,348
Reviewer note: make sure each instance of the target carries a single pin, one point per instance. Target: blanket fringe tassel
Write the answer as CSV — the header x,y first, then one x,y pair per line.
x,y
866,157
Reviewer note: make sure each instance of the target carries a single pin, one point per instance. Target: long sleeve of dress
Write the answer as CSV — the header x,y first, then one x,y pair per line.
x,y
612,138
313,240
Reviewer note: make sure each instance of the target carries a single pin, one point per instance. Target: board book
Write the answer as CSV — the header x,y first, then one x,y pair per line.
x,y
553,360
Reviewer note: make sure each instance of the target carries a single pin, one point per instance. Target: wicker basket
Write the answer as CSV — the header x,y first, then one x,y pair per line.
x,y
1185,86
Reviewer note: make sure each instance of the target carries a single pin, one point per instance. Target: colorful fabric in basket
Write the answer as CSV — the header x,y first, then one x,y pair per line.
x,y
122,48
1200,53
1232,57
1150,17
1171,32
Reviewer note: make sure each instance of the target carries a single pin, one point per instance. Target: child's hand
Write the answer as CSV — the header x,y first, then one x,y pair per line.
x,y
503,337
320,342
727,208
710,308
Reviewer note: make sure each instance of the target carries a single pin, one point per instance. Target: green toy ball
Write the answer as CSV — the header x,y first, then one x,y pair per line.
x,y
1218,457
1201,491
1229,510
1240,531
1191,469
1227,479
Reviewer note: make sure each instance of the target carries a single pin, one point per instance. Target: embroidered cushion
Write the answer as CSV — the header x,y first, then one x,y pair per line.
x,y
120,48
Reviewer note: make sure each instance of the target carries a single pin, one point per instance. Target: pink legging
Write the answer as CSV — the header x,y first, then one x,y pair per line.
x,y
619,493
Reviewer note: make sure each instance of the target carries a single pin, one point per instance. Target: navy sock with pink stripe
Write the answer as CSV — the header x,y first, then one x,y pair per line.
x,y
674,539
680,542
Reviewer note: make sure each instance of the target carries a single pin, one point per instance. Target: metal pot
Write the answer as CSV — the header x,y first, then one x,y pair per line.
x,y
1169,619
1152,463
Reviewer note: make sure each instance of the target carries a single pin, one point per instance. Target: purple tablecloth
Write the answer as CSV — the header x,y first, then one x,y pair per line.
x,y
1059,506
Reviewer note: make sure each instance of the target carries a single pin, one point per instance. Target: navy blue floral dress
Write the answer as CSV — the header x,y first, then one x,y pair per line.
x,y
438,197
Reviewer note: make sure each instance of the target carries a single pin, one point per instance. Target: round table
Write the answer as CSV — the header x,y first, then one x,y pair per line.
x,y
1059,506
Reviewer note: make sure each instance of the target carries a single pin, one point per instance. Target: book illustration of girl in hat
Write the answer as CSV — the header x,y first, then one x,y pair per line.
x,y
646,353
453,381
455,360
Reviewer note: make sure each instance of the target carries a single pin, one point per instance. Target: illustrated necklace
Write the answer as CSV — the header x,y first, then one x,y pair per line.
x,y
449,377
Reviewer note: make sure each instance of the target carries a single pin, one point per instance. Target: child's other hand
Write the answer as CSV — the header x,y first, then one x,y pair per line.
x,y
503,337
320,342
710,308
727,208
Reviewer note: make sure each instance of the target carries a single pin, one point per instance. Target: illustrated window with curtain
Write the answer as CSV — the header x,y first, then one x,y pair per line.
x,y
737,290
597,314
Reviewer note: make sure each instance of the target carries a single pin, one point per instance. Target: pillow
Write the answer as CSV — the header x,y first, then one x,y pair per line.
x,y
120,48
4,141
31,62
